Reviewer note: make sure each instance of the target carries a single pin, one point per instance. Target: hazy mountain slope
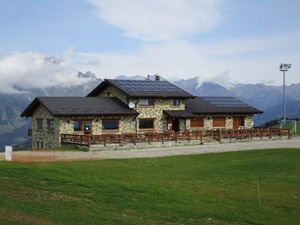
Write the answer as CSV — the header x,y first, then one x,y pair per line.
x,y
276,112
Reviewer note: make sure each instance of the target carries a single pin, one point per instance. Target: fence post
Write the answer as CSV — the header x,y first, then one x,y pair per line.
x,y
89,141
189,137
251,134
104,140
120,139
270,133
176,138
149,138
289,133
162,138
134,139
230,134
261,133
201,137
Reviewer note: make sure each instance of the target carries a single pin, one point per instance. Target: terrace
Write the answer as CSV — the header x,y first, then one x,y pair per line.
x,y
134,140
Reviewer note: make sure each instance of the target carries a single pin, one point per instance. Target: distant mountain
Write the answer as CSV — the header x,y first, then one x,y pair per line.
x,y
13,128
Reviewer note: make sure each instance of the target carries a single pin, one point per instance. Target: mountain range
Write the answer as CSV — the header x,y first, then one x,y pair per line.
x,y
13,128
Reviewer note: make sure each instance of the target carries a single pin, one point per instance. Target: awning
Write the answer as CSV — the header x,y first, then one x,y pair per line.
x,y
178,113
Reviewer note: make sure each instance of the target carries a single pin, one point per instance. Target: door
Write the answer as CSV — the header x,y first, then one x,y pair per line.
x,y
87,127
236,123
175,125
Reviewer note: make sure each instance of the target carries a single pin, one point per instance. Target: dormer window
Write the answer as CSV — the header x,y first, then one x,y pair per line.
x,y
175,102
146,102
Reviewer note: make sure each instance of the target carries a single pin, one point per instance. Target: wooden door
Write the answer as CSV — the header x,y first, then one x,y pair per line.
x,y
236,123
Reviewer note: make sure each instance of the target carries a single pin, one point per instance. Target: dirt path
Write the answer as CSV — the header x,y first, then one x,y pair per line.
x,y
153,152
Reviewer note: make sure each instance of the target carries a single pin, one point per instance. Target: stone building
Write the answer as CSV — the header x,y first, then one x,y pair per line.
x,y
133,106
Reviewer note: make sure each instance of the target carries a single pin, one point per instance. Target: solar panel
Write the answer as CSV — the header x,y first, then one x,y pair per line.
x,y
146,85
219,101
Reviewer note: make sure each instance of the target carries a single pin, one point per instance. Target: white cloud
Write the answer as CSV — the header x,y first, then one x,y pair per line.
x,y
241,60
221,79
158,20
25,70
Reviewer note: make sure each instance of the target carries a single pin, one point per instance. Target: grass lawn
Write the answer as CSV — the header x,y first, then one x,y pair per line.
x,y
220,188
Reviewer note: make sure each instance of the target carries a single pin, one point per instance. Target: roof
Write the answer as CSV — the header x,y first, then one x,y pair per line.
x,y
218,105
143,89
71,106
178,113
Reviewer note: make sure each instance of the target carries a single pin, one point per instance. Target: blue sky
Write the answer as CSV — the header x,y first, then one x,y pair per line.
x,y
229,41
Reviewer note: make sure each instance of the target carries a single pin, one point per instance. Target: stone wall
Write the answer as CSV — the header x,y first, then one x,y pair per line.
x,y
208,121
114,92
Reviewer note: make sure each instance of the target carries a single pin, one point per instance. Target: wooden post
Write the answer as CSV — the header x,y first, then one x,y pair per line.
x,y
289,133
219,136
120,139
251,134
201,137
261,133
89,141
176,138
189,137
134,139
148,138
270,133
104,140
162,138
230,134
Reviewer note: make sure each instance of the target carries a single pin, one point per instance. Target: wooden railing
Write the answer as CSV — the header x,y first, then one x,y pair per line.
x,y
134,138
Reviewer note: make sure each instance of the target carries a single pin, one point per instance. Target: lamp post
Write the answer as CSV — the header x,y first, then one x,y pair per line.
x,y
284,67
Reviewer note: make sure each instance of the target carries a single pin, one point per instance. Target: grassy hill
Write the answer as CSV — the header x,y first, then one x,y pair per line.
x,y
217,188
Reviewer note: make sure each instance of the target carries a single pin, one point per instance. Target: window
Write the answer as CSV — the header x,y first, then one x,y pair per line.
x,y
108,94
219,121
110,124
42,144
242,121
197,122
39,124
37,144
146,102
51,125
175,102
146,123
83,125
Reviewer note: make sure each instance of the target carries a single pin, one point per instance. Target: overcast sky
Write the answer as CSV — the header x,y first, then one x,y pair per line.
x,y
232,40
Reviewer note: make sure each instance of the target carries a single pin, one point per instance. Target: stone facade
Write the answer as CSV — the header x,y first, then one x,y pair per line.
x,y
156,111
65,125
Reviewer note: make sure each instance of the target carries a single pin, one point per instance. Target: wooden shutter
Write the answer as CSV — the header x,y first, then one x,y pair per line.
x,y
219,121
197,122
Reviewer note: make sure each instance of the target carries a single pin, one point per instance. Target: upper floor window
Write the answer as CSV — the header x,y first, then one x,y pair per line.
x,y
110,124
175,102
39,124
51,125
146,102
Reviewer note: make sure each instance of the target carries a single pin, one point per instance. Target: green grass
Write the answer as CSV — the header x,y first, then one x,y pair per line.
x,y
216,188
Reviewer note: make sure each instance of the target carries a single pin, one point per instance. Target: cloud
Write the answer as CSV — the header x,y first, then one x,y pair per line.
x,y
221,79
241,60
26,70
158,20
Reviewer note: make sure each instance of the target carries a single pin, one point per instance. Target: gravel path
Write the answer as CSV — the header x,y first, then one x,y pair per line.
x,y
153,152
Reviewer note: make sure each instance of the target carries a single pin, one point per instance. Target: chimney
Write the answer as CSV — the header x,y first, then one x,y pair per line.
x,y
157,77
